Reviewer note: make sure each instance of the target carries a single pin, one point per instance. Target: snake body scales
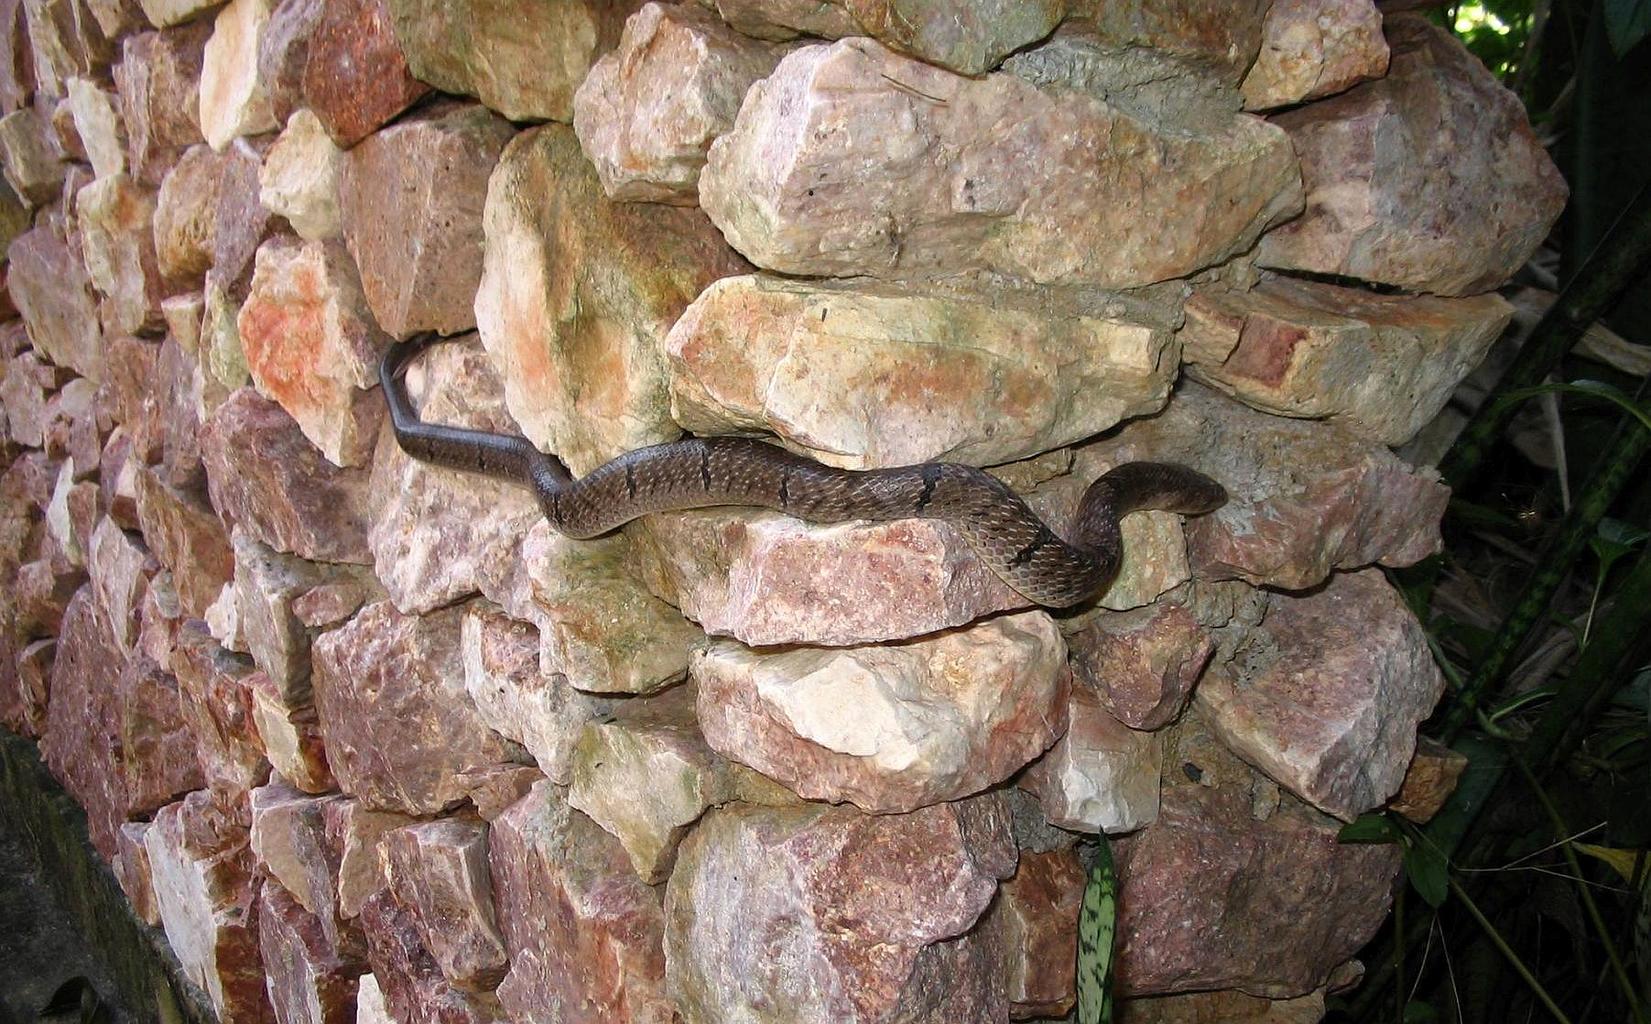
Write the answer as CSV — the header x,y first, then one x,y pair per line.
x,y
1008,536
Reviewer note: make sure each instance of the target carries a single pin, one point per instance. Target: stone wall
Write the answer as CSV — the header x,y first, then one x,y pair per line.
x,y
370,741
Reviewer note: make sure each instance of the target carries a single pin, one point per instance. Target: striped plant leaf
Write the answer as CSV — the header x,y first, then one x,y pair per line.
x,y
1097,933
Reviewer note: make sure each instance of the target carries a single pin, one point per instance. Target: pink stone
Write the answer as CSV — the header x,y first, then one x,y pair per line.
x,y
266,477
356,832
1039,911
120,567
1328,701
266,584
647,113
539,710
159,80
851,160
16,62
1429,179
1220,894
438,870
43,590
313,347
290,838
131,394
24,389
398,723
71,428
765,578
309,983
1101,776
49,283
329,604
868,908
207,893
583,932
215,701
576,293
1142,664
1305,498
291,736
132,871
932,719
188,538
1381,365
355,78
438,534
27,714
410,198
284,52
414,991
1314,48
240,222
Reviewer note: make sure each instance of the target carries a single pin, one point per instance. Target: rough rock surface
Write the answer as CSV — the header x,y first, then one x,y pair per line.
x,y
523,60
758,353
1141,664
1220,33
1305,498
414,989
539,710
233,99
116,740
159,81
583,932
966,36
188,538
398,723
98,122
883,929
48,282
1326,694
312,346
1382,365
299,178
355,77
438,870
207,892
186,217
647,113
916,190
1314,48
1429,781
34,164
1233,887
1101,776
118,249
266,477
307,979
1038,908
1429,179
410,201
645,774
890,728
576,294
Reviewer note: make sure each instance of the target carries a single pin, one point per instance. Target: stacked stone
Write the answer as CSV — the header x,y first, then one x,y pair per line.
x,y
371,742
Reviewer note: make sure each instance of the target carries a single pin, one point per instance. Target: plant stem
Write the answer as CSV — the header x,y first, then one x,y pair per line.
x,y
1615,264
1512,957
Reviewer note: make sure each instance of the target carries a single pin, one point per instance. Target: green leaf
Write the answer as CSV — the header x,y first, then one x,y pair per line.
x,y
1627,22
1372,827
1428,872
1420,1013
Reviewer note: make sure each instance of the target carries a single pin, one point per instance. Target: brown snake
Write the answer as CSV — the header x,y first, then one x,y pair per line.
x,y
702,472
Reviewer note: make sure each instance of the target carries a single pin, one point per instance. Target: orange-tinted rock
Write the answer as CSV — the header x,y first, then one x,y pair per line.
x,y
877,912
186,216
1381,365
355,77
1429,781
1429,179
577,294
1038,908
411,200
266,477
312,345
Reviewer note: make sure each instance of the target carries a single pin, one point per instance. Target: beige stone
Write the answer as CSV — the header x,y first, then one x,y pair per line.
x,y
233,99
299,178
852,375
851,160
99,123
1101,776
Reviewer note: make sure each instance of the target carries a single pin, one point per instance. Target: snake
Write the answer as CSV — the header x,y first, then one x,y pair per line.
x,y
1043,566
